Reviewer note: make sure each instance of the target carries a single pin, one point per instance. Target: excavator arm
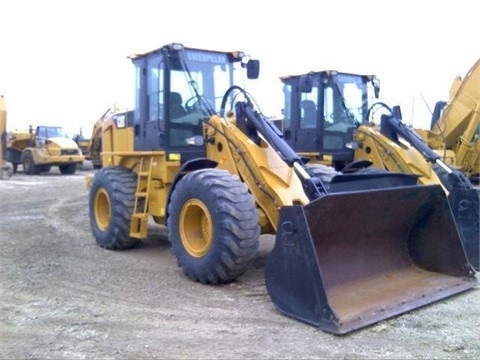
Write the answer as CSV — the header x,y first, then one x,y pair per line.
x,y
457,128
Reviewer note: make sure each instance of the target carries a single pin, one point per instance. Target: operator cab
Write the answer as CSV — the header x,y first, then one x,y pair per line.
x,y
322,109
178,88
43,133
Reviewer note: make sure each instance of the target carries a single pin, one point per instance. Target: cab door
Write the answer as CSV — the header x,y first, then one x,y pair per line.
x,y
301,119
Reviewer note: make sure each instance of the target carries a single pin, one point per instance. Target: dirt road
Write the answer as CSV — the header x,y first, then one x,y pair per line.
x,y
64,297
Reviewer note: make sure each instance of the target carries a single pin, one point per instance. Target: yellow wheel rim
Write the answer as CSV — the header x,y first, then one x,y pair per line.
x,y
196,228
102,209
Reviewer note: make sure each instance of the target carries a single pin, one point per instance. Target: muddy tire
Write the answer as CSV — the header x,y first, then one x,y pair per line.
x,y
68,169
29,166
213,226
111,203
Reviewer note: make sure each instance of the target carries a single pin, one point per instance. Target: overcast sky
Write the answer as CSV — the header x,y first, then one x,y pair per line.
x,y
65,62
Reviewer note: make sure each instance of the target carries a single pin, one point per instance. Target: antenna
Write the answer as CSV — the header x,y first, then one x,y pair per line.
x,y
439,128
426,104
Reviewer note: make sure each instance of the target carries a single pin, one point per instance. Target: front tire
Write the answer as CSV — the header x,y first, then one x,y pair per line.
x,y
111,203
68,169
28,164
213,226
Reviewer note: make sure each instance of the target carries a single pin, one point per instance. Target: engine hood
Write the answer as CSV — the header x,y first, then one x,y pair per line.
x,y
64,143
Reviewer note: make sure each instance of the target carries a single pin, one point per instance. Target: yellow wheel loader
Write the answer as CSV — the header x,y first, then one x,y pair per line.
x,y
38,150
197,155
329,121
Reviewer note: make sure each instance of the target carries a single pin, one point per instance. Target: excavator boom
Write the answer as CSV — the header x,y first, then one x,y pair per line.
x,y
456,124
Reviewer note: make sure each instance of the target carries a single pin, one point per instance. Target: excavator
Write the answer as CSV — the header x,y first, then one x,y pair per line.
x,y
334,118
92,147
455,127
196,154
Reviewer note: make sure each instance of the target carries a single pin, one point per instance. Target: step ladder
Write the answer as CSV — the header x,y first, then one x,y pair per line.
x,y
139,222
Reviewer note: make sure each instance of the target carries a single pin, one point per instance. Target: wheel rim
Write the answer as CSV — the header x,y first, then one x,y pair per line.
x,y
196,228
102,209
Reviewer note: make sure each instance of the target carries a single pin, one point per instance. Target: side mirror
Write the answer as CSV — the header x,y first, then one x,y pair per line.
x,y
253,69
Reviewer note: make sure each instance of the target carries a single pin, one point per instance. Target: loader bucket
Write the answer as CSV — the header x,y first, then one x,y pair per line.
x,y
351,259
465,207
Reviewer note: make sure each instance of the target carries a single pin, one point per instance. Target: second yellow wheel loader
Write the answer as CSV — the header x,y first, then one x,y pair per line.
x,y
328,120
197,155
397,147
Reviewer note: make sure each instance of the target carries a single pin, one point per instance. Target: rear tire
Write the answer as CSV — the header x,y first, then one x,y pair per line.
x,y
213,226
111,203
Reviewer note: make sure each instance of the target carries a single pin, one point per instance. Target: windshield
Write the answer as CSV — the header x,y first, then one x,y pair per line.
x,y
205,75
53,131
347,98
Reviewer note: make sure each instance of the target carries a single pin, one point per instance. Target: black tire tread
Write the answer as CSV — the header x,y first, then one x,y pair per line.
x,y
120,183
236,229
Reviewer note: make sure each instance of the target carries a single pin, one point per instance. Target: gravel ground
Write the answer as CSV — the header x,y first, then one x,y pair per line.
x,y
64,297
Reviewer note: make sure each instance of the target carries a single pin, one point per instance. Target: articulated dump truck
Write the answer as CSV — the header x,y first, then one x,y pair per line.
x,y
197,155
37,150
